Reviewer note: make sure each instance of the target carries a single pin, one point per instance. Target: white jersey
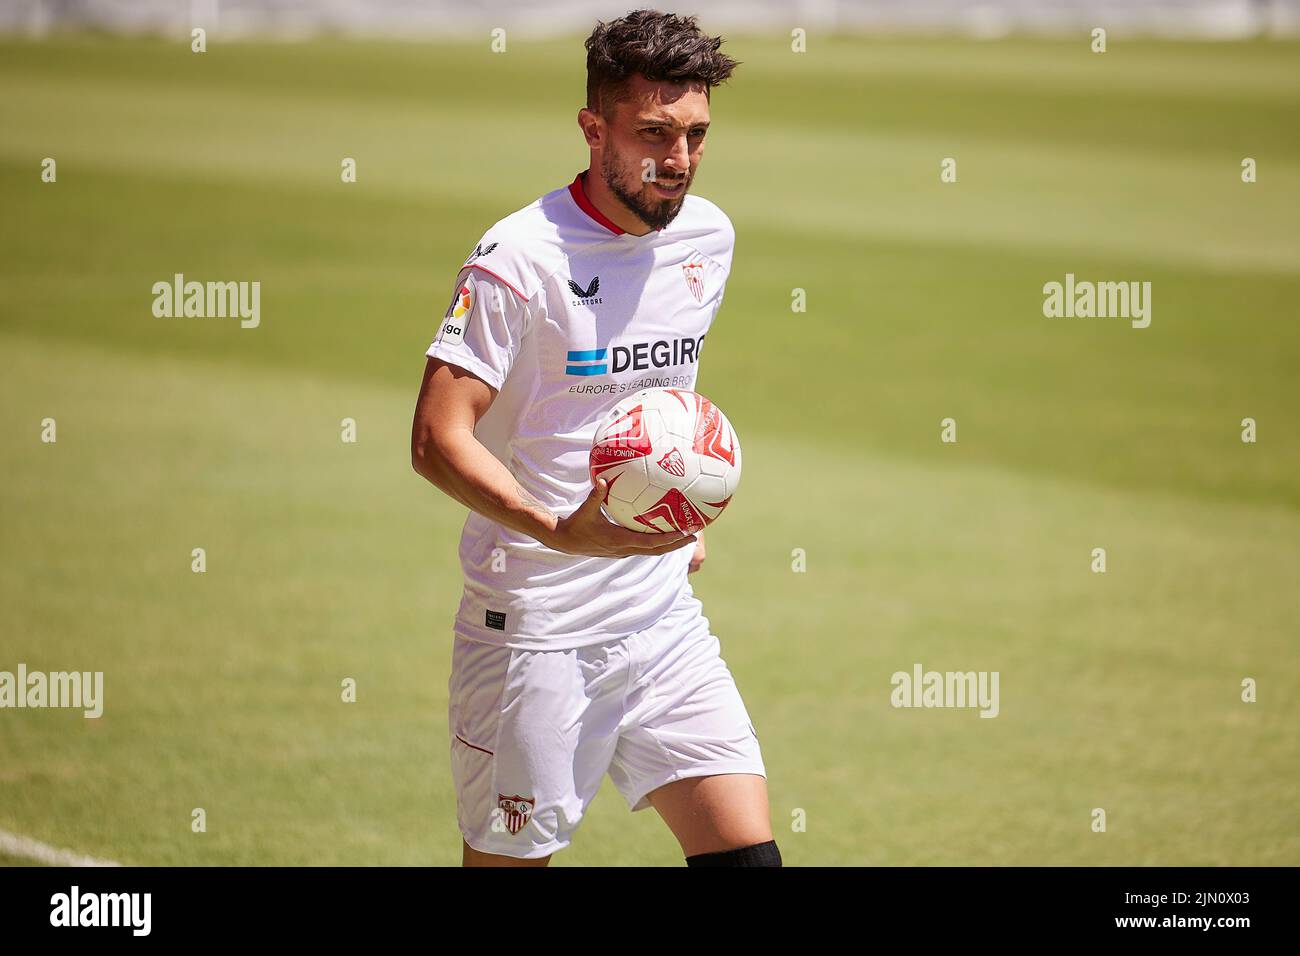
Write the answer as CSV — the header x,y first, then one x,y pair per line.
x,y
564,314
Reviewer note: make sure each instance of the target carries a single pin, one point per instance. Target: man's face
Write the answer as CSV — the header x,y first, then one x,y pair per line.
x,y
654,142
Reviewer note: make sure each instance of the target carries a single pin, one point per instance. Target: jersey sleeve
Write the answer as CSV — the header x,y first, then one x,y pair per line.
x,y
483,328
728,245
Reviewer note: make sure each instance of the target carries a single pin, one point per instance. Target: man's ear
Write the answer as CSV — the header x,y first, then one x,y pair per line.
x,y
593,127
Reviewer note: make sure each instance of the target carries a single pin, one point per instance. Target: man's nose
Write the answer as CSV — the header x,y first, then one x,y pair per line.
x,y
678,159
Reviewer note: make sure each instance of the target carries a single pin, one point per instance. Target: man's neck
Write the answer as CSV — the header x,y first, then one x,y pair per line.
x,y
603,198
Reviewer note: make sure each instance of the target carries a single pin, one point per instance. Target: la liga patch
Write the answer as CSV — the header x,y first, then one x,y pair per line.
x,y
458,312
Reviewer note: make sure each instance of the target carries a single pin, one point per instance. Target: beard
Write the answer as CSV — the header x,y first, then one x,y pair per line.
x,y
655,213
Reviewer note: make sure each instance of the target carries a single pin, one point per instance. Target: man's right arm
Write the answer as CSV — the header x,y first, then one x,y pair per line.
x,y
445,451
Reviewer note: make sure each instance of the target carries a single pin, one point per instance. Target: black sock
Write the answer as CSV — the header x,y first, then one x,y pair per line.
x,y
760,854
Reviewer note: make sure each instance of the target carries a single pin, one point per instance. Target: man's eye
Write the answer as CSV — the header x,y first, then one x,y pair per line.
x,y
652,130
698,132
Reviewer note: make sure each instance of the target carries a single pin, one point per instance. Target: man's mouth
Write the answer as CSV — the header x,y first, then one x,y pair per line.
x,y
669,190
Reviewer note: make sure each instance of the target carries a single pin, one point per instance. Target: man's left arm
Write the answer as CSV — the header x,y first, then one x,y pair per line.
x,y
698,557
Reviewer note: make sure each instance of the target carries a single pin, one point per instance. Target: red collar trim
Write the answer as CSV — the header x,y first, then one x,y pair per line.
x,y
580,197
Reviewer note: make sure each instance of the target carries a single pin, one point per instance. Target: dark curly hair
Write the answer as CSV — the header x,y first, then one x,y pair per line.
x,y
658,46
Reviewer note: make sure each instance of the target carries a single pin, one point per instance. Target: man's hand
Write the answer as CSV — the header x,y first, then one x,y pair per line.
x,y
587,531
697,558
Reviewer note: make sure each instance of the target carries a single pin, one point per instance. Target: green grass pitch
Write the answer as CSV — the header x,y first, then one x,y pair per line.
x,y
329,560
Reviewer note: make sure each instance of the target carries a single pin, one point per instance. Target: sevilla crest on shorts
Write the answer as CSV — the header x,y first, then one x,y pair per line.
x,y
516,811
694,273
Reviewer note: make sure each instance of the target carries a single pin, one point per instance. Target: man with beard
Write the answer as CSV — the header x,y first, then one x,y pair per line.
x,y
579,647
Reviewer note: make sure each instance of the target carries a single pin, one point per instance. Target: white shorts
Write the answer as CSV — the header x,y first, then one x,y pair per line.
x,y
533,732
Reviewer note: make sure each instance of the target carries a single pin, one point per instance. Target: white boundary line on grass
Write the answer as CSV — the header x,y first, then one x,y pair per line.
x,y
12,844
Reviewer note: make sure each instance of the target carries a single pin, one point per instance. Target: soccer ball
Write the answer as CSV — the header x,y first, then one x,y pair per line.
x,y
671,458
